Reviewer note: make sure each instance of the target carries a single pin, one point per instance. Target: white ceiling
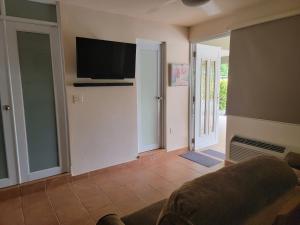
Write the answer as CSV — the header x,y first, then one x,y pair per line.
x,y
167,11
223,42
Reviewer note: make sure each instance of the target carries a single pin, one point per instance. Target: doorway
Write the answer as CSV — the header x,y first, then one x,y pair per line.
x,y
209,94
33,104
149,95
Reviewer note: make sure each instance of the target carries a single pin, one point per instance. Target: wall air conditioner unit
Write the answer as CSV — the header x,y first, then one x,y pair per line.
x,y
244,148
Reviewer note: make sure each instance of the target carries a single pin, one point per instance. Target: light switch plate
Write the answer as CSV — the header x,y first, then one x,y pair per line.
x,y
77,99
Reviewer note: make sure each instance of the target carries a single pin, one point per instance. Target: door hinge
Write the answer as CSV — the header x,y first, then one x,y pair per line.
x,y
194,54
194,99
193,140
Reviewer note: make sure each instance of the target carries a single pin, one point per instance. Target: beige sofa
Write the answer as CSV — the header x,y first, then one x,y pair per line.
x,y
260,191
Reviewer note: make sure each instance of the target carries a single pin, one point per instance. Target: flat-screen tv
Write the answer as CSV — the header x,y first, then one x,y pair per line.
x,y
100,59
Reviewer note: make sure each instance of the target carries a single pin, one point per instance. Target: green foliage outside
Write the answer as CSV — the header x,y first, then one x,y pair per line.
x,y
224,71
223,86
223,94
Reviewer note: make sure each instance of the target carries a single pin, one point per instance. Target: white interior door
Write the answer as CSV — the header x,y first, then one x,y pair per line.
x,y
8,169
149,95
38,93
208,62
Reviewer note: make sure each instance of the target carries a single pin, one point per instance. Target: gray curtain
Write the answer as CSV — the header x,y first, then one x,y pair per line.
x,y
264,80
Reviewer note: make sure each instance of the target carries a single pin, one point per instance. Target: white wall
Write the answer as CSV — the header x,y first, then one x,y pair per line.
x,y
284,134
103,128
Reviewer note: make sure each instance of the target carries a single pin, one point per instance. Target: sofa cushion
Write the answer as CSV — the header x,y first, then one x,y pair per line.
x,y
230,195
145,216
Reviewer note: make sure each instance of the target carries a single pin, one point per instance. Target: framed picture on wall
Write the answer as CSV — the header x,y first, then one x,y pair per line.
x,y
178,74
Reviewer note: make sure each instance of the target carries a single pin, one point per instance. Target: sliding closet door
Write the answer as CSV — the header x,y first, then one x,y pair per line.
x,y
8,170
37,89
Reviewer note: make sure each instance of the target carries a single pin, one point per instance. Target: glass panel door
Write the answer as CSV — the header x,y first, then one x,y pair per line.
x,y
212,97
203,91
38,99
36,83
8,171
208,59
148,64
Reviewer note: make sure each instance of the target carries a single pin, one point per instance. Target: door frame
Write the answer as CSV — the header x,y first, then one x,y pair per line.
x,y
161,109
8,125
192,83
18,106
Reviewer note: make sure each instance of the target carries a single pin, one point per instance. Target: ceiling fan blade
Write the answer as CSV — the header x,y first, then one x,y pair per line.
x,y
194,3
164,4
211,8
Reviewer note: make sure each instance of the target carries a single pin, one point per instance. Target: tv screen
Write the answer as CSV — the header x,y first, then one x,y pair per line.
x,y
99,59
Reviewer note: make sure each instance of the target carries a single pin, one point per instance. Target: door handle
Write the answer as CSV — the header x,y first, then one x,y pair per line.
x,y
159,98
7,107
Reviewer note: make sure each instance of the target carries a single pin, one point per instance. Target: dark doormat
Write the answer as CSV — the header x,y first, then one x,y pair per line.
x,y
214,153
200,159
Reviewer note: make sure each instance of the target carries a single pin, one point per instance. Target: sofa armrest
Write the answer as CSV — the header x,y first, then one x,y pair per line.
x,y
293,159
289,218
110,219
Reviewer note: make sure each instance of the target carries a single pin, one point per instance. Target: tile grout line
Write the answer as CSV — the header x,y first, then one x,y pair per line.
x,y
146,184
51,205
85,209
98,187
22,206
155,187
165,178
125,185
158,189
172,182
109,196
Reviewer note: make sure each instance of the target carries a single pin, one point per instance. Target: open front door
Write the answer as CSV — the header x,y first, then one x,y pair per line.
x,y
208,61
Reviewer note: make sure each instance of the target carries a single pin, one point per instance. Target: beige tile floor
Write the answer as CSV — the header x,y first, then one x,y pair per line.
x,y
83,200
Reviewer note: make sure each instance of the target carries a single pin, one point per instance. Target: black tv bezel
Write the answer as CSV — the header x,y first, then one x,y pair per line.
x,y
85,76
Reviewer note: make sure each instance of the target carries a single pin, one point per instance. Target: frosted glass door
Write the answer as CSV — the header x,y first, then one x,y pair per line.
x,y
38,99
35,86
149,96
8,171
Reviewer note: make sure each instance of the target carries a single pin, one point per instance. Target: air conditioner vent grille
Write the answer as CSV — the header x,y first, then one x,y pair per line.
x,y
259,144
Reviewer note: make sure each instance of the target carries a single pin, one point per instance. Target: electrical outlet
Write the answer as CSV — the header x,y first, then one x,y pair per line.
x,y
77,99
